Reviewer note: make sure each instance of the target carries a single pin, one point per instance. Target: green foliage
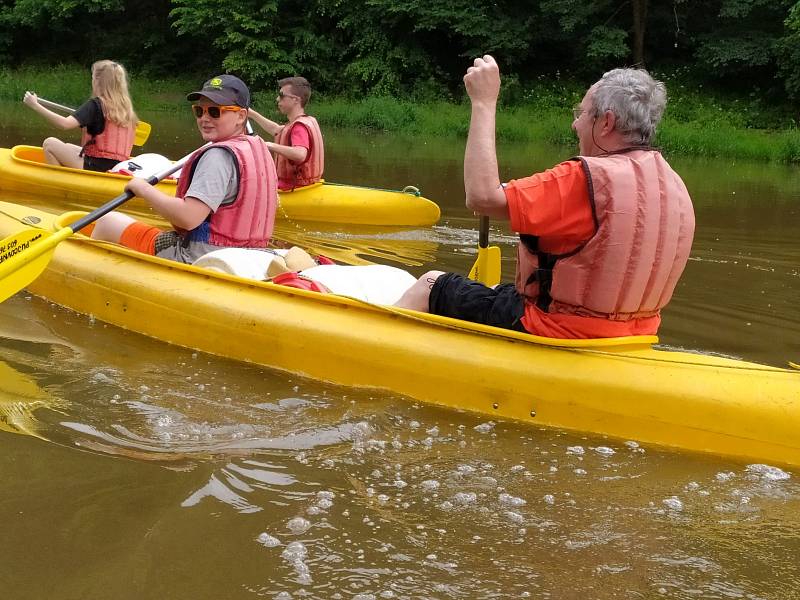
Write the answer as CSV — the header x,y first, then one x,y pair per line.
x,y
734,37
726,54
39,13
415,49
245,34
607,42
789,51
135,32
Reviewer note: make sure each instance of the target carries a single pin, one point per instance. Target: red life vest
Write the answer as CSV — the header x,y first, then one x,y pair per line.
x,y
644,225
115,142
248,220
310,170
295,280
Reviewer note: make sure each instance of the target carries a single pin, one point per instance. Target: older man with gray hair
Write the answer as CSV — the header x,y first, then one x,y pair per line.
x,y
604,237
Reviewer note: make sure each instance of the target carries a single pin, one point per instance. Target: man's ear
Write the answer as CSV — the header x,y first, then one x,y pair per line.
x,y
608,123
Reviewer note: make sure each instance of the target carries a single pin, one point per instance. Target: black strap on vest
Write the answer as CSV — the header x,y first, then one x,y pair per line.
x,y
543,274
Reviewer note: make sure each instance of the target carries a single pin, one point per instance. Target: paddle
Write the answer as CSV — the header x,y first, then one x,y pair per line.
x,y
142,128
25,255
487,266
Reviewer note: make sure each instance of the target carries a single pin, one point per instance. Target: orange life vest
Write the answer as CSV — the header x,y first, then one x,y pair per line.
x,y
115,142
310,170
248,220
644,225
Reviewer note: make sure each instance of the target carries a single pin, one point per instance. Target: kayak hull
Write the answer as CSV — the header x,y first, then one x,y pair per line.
x,y
623,388
22,170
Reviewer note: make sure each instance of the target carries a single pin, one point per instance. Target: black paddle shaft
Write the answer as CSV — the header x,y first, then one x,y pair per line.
x,y
483,232
125,196
105,209
112,204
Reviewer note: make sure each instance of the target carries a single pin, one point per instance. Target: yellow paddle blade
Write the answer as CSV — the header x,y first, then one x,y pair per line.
x,y
23,257
20,396
142,133
487,266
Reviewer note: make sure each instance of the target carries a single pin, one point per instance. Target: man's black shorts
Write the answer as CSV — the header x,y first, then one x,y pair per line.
x,y
461,298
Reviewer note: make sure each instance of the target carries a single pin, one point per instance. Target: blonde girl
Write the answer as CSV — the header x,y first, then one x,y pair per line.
x,y
107,121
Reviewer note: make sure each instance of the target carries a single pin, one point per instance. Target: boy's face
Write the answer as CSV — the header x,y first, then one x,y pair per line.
x,y
286,99
229,123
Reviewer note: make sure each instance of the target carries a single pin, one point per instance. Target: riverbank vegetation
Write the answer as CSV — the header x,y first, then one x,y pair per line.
x,y
697,122
415,48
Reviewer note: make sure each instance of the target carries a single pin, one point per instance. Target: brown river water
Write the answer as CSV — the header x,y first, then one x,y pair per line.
x,y
134,469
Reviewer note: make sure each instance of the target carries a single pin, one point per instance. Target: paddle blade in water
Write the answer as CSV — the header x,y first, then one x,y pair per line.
x,y
20,396
23,257
487,266
142,133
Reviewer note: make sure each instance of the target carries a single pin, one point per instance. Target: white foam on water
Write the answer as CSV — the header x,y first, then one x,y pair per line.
x,y
298,525
514,517
465,498
510,500
267,540
484,427
605,450
767,472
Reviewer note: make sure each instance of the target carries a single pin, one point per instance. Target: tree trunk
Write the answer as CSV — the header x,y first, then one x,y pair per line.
x,y
639,26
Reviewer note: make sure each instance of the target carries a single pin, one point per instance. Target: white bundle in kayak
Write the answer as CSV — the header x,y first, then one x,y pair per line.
x,y
144,166
379,284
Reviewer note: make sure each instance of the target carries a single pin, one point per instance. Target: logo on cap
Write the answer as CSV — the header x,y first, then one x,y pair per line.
x,y
215,83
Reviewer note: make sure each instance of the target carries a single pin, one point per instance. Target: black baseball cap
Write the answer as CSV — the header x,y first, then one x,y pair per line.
x,y
225,90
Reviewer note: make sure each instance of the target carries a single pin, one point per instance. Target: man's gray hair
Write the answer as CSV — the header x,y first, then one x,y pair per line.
x,y
637,100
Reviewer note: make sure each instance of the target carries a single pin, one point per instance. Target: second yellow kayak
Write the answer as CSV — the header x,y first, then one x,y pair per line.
x,y
22,169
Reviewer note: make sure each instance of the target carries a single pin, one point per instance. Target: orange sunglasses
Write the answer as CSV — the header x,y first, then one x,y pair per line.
x,y
215,112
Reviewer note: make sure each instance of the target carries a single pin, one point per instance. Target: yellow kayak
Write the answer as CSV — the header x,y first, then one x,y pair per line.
x,y
22,169
621,387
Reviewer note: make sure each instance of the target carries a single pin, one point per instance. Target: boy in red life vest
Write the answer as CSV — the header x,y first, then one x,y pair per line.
x,y
604,237
227,193
298,147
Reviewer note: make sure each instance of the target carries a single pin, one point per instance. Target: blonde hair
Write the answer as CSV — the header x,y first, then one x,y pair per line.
x,y
110,84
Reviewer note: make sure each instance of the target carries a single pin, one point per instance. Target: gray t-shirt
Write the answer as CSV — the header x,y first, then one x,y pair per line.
x,y
215,181
215,178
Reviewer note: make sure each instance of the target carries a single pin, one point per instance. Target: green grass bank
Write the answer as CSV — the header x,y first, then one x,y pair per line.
x,y
696,123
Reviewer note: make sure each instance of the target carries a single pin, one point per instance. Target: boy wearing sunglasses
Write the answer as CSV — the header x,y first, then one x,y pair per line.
x,y
227,193
298,147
